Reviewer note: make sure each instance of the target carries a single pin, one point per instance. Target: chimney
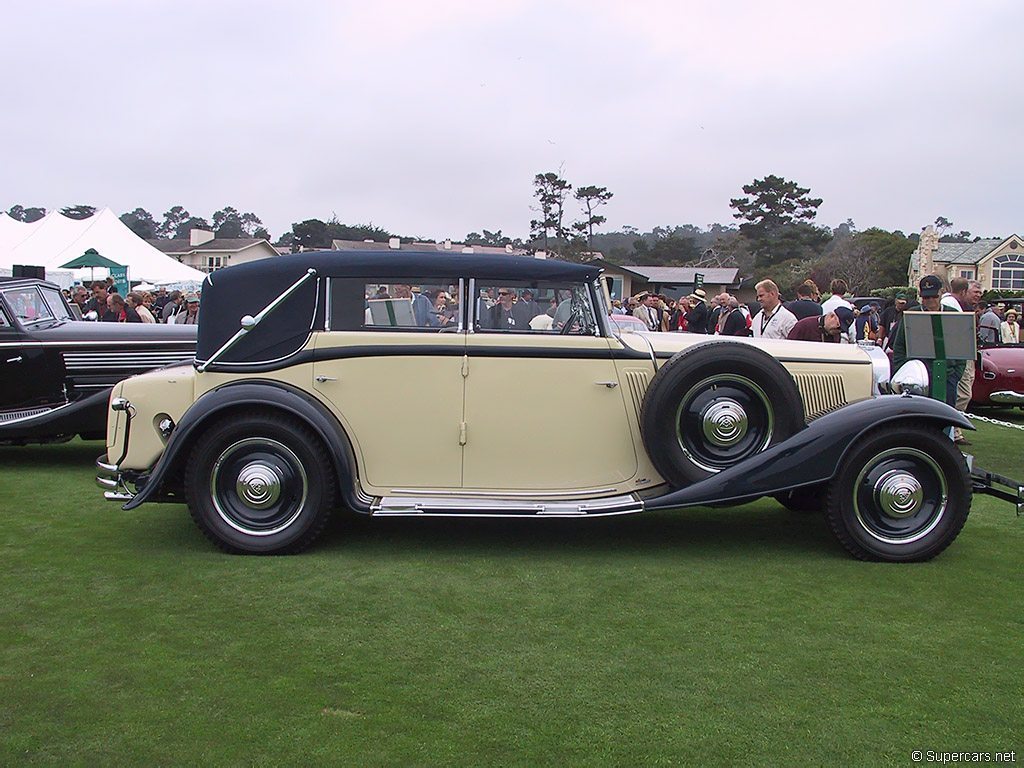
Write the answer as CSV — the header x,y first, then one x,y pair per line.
x,y
199,236
394,243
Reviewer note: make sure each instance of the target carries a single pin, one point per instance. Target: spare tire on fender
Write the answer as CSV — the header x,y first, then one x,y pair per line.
x,y
715,405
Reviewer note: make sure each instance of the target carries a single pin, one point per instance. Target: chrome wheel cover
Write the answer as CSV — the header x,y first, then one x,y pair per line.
x,y
722,420
900,495
258,486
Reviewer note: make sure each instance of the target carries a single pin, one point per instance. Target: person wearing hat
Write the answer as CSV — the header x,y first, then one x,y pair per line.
x,y
697,317
830,327
929,289
891,315
1009,329
190,315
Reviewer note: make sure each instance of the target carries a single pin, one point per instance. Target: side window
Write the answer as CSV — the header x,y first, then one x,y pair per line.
x,y
425,304
533,307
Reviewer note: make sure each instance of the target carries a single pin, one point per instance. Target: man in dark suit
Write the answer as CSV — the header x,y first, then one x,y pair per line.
x,y
697,317
508,314
731,321
805,305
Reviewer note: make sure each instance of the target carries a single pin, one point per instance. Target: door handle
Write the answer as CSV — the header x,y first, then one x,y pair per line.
x,y
609,384
322,379
14,359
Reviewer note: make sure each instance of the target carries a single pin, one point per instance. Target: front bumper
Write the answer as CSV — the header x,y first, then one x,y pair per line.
x,y
1007,397
113,482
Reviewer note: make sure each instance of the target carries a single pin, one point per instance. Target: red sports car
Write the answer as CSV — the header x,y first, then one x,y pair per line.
x,y
1000,381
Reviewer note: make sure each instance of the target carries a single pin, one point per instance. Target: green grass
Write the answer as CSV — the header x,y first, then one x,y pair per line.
x,y
729,636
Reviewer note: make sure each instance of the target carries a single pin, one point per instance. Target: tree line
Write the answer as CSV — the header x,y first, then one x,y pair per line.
x,y
777,236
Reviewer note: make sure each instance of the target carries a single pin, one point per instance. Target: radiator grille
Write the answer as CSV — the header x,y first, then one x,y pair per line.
x,y
637,382
821,393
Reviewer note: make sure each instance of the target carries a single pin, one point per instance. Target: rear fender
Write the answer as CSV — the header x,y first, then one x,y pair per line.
x,y
811,456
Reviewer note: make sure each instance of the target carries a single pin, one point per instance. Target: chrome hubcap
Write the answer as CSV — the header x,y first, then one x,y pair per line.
x,y
258,485
724,422
899,494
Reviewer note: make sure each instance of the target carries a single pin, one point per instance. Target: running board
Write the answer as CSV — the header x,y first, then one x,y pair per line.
x,y
448,506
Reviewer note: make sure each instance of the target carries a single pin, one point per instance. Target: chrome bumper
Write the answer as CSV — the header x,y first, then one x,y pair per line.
x,y
109,478
1007,397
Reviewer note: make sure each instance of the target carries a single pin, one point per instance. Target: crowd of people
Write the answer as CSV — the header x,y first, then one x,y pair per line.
x,y
101,302
810,317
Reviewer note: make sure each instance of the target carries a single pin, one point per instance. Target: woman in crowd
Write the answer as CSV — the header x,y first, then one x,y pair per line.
x,y
1009,329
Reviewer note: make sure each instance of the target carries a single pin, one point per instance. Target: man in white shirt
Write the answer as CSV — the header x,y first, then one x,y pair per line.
x,y
839,289
774,321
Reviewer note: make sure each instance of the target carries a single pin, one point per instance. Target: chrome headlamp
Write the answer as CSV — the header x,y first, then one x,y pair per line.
x,y
912,379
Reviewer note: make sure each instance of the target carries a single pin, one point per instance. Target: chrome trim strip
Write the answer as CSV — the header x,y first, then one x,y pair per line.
x,y
1008,396
462,299
47,412
327,305
505,494
471,299
484,507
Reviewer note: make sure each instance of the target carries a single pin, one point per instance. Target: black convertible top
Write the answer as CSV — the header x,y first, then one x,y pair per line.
x,y
246,289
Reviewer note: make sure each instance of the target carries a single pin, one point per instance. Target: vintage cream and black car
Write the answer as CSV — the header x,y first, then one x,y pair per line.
x,y
424,384
56,372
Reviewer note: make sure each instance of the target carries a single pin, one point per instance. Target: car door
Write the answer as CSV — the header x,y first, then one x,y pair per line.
x,y
396,385
543,409
31,373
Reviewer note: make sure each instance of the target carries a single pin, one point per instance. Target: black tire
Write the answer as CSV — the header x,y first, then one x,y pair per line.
x,y
260,483
903,494
807,500
715,405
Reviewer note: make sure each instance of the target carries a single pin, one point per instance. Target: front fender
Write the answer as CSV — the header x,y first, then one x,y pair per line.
x,y
263,394
812,455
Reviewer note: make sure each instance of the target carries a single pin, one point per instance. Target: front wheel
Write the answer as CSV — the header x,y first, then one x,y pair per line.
x,y
903,494
260,483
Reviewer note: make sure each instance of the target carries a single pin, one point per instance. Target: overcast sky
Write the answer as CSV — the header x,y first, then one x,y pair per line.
x,y
431,118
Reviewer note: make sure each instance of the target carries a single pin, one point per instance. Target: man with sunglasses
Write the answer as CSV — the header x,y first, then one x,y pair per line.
x,y
508,314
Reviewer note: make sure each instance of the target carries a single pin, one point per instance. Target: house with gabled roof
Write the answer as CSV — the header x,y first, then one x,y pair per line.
x,y
670,281
206,252
998,264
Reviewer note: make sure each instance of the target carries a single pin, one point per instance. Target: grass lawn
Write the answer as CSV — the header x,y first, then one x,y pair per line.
x,y
726,636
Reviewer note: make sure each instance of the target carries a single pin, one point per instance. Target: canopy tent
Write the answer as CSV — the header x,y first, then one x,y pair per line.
x,y
55,239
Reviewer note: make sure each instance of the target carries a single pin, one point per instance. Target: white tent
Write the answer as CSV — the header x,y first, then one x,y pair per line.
x,y
55,239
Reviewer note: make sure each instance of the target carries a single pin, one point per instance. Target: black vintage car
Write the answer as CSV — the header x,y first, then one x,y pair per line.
x,y
56,372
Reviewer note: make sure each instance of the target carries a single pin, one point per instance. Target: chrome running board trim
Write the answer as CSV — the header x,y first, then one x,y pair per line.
x,y
500,494
1008,397
450,506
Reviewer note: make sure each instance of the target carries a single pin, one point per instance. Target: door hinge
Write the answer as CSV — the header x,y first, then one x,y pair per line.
x,y
465,366
462,433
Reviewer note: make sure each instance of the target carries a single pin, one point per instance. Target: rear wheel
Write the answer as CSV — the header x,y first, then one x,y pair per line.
x,y
903,494
260,483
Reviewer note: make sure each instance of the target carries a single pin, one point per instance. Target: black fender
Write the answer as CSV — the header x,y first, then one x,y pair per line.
x,y
86,415
812,455
264,394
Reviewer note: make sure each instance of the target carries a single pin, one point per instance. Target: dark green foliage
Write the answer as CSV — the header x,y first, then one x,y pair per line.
x,y
141,222
78,211
173,218
28,215
229,223
185,228
777,215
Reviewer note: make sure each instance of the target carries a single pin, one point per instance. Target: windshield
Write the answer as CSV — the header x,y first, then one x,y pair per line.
x,y
58,308
28,306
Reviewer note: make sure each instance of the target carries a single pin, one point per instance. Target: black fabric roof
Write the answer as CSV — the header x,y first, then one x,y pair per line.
x,y
245,289
286,269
